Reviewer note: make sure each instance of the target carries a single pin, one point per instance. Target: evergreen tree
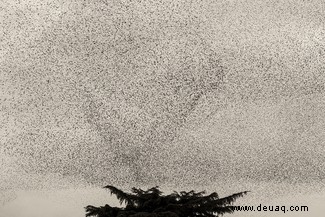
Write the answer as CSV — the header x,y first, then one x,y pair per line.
x,y
152,203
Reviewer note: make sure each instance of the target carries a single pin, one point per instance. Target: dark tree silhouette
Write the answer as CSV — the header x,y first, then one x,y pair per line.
x,y
151,203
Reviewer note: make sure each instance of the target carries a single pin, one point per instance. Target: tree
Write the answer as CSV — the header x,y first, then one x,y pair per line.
x,y
151,203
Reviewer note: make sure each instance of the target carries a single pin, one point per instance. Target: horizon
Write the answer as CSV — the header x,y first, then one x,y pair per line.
x,y
71,202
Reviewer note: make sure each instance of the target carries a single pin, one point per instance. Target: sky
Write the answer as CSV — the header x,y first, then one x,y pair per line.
x,y
170,93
